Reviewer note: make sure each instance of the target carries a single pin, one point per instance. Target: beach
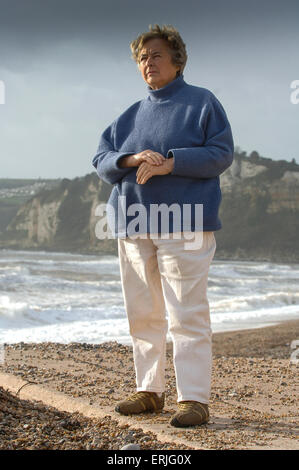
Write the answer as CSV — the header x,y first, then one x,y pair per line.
x,y
254,400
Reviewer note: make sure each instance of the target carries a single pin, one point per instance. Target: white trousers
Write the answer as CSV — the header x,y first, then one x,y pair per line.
x,y
160,274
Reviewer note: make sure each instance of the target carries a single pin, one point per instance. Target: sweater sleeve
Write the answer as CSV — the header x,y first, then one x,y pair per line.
x,y
215,155
106,159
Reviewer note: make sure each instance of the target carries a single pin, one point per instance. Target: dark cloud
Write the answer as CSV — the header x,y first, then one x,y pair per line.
x,y
67,69
56,19
29,28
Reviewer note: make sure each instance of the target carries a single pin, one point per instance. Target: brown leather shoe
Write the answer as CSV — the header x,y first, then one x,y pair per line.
x,y
190,413
140,402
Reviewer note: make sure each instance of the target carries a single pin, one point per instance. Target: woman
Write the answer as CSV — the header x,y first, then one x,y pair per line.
x,y
167,150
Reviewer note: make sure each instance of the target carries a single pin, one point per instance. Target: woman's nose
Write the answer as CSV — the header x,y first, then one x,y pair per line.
x,y
149,60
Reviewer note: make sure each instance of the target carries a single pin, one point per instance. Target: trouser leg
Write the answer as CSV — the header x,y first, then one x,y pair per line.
x,y
184,275
145,307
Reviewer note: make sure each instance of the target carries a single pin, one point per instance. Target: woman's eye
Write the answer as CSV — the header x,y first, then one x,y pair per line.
x,y
143,59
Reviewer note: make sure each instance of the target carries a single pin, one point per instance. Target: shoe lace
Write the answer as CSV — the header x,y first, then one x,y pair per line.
x,y
185,406
192,405
139,395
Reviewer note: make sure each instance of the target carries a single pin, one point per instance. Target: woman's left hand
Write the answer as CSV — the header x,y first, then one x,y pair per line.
x,y
146,170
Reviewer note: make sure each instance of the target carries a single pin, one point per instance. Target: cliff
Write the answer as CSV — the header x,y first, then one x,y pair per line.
x,y
61,219
259,213
260,210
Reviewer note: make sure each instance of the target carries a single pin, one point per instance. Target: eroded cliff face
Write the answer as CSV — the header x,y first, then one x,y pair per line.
x,y
37,221
61,219
244,177
259,214
260,211
284,195
238,171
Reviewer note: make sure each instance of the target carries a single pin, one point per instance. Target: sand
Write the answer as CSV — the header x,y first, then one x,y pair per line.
x,y
254,402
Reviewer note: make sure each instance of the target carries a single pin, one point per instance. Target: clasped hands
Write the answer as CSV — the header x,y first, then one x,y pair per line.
x,y
151,163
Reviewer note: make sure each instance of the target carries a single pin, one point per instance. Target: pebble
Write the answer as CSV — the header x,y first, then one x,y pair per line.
x,y
52,429
131,447
256,364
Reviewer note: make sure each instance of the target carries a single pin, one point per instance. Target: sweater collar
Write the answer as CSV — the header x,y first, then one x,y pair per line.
x,y
166,91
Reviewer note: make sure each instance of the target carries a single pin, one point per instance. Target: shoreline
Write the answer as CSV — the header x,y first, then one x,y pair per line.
x,y
217,336
261,325
253,402
228,257
246,327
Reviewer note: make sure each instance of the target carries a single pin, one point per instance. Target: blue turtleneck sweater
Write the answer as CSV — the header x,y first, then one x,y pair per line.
x,y
182,121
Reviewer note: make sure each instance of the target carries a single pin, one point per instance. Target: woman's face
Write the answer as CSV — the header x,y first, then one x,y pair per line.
x,y
155,64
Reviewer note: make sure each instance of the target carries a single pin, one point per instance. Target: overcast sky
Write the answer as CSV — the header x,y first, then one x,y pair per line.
x,y
68,74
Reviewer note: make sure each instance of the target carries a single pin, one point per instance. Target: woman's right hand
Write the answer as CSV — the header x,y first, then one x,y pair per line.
x,y
149,156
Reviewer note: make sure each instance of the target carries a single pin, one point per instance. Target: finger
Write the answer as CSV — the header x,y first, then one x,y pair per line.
x,y
142,165
143,177
140,174
141,169
159,158
149,159
153,158
139,177
144,180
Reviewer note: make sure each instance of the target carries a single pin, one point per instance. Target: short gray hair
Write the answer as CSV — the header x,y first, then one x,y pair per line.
x,y
177,47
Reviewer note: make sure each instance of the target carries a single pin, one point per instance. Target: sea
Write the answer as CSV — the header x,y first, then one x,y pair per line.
x,y
65,297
